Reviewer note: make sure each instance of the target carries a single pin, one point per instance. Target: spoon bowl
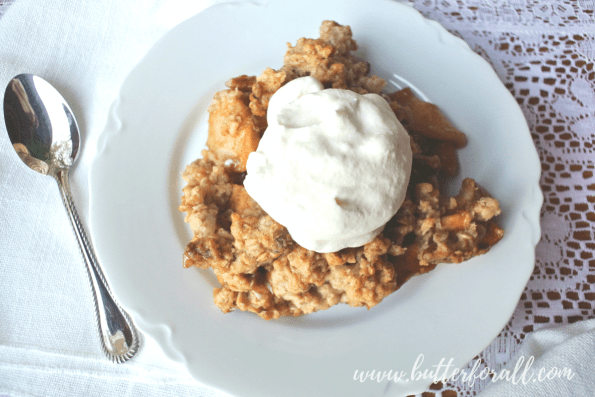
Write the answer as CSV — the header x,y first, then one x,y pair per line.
x,y
40,124
44,133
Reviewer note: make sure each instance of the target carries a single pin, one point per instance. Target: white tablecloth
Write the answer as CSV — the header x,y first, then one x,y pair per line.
x,y
48,340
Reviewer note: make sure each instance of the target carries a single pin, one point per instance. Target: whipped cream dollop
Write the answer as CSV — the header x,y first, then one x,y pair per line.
x,y
332,166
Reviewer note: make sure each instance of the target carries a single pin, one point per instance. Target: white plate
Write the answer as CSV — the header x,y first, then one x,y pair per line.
x,y
158,125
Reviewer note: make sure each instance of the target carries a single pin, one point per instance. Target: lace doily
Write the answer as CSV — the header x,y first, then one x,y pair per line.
x,y
544,52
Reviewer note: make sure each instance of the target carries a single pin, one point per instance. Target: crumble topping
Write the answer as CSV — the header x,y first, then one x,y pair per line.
x,y
260,268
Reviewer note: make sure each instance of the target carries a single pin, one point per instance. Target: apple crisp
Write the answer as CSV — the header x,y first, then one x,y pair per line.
x,y
260,268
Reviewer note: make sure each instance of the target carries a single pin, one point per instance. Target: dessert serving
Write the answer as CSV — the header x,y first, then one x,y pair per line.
x,y
318,188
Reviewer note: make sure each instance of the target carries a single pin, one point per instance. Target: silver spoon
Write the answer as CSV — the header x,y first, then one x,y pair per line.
x,y
45,135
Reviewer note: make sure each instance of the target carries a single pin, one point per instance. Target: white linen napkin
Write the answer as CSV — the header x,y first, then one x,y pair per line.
x,y
48,339
551,362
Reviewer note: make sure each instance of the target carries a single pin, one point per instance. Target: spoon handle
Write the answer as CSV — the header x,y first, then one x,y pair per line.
x,y
119,337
